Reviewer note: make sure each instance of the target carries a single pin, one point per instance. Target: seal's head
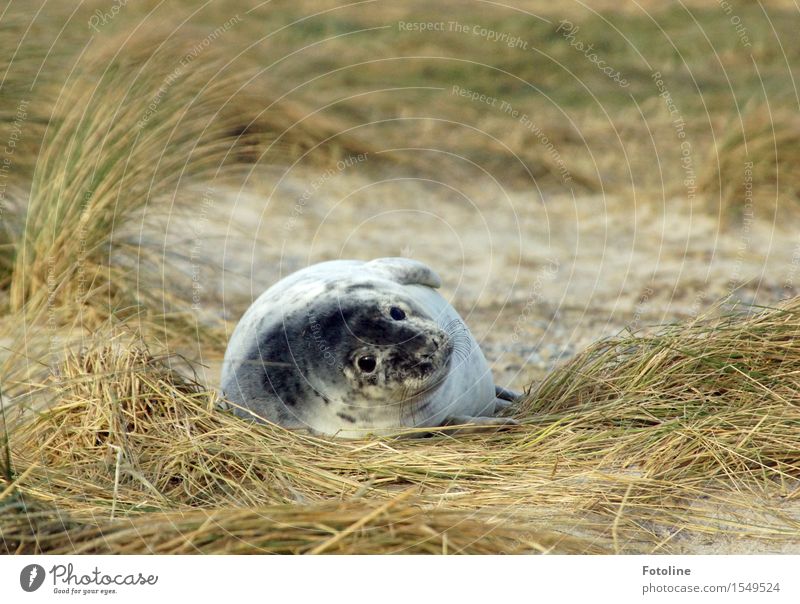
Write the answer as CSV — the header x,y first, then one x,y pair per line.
x,y
386,347
352,357
381,353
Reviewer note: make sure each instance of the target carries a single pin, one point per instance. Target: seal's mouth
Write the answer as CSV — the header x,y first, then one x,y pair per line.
x,y
416,397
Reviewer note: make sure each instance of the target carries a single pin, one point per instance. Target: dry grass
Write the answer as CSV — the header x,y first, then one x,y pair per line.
x,y
25,106
634,445
343,528
712,399
100,166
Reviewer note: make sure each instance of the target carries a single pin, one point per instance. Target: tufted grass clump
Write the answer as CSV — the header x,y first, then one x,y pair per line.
x,y
637,445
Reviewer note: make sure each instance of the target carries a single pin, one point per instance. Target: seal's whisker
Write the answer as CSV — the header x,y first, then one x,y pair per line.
x,y
461,354
462,347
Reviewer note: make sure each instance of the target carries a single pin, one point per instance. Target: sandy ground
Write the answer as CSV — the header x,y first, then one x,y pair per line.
x,y
537,278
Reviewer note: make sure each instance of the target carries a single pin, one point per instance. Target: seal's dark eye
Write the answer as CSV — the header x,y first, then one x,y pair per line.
x,y
397,313
367,364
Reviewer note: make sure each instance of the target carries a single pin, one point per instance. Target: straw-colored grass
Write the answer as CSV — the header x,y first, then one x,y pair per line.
x,y
634,446
343,528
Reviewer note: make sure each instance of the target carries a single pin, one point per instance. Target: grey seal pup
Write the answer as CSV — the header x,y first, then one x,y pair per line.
x,y
346,348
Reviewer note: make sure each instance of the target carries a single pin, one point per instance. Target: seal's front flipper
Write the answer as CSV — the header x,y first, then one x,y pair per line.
x,y
406,271
507,395
466,423
501,404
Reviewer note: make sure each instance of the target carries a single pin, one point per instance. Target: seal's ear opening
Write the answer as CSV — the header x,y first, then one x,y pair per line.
x,y
406,271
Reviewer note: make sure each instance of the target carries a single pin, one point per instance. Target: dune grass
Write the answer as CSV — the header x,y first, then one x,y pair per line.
x,y
635,445
102,165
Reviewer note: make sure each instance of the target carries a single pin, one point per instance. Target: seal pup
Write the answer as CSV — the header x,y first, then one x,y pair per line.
x,y
346,348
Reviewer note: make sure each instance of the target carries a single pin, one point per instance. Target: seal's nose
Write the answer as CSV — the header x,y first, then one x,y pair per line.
x,y
426,351
433,346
